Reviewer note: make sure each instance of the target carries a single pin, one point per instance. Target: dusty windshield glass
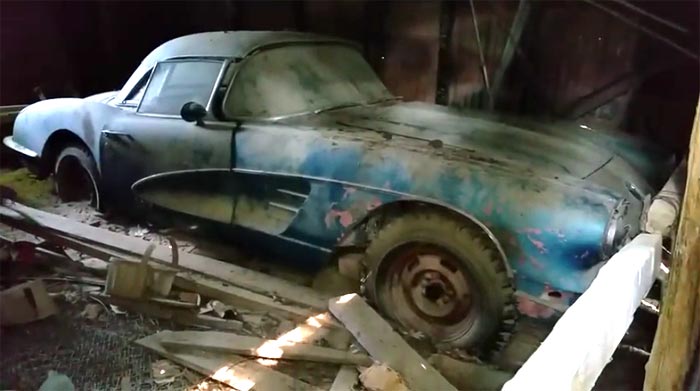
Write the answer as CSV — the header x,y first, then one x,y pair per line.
x,y
302,78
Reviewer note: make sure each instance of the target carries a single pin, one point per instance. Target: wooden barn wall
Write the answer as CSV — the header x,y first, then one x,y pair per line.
x,y
568,50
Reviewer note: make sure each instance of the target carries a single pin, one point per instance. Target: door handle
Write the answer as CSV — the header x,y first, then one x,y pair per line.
x,y
115,135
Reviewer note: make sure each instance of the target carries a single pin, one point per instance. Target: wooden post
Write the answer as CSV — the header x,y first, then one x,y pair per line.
x,y
679,326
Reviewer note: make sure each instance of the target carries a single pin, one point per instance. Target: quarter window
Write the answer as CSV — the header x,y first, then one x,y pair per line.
x,y
175,83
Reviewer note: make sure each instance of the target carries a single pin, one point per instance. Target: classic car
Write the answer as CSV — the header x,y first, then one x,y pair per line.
x,y
458,223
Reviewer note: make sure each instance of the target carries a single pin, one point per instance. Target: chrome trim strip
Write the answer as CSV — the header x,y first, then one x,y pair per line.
x,y
293,193
181,59
284,207
10,143
219,77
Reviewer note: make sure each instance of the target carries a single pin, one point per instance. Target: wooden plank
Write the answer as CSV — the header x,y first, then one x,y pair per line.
x,y
236,275
236,371
220,342
469,375
606,309
346,379
384,344
207,286
516,32
239,297
678,334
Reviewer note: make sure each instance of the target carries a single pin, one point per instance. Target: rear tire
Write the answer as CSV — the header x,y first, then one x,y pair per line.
x,y
444,278
76,177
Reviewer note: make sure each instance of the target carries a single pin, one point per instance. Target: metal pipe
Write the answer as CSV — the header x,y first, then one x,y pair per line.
x,y
645,30
484,71
652,16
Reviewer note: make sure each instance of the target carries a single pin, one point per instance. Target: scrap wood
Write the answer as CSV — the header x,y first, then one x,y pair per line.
x,y
26,303
469,375
346,379
242,298
187,280
178,315
379,377
213,341
238,372
236,275
385,345
164,372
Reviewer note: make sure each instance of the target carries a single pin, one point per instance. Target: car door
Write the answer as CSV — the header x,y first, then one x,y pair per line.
x,y
150,137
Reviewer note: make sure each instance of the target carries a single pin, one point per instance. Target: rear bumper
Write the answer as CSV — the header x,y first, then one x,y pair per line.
x,y
10,143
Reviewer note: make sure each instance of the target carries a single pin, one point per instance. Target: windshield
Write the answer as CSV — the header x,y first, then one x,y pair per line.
x,y
302,78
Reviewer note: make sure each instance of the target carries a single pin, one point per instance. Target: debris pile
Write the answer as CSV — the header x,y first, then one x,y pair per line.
x,y
239,328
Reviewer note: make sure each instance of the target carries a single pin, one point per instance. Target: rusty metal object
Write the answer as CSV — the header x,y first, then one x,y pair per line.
x,y
429,287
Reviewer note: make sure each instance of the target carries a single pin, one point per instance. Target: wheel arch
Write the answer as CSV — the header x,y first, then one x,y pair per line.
x,y
58,139
359,228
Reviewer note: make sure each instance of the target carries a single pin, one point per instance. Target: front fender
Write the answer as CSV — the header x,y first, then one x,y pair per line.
x,y
37,122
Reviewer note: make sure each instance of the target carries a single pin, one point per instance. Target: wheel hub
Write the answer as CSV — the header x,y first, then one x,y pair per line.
x,y
428,289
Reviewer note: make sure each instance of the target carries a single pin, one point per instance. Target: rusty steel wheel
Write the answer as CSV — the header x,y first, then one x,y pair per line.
x,y
443,278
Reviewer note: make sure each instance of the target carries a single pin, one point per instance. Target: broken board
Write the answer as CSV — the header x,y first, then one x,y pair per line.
x,y
385,345
238,372
214,341
236,275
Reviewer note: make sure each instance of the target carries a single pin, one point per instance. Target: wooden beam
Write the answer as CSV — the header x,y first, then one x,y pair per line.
x,y
444,67
584,339
678,332
238,372
514,35
385,345
219,342
230,273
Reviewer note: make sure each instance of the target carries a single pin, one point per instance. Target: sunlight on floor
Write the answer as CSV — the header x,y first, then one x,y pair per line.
x,y
271,350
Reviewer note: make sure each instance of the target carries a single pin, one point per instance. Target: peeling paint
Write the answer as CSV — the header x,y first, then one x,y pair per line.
x,y
533,309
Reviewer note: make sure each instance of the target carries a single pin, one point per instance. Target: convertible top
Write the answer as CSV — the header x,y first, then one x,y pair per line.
x,y
225,44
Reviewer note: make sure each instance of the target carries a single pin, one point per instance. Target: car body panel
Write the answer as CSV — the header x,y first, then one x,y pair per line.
x,y
133,146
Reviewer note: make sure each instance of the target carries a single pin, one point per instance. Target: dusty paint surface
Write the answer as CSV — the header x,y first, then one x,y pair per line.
x,y
549,221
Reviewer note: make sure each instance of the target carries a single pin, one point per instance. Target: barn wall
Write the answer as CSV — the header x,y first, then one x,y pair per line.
x,y
568,50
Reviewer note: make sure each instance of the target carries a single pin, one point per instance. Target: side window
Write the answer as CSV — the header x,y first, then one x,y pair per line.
x,y
175,83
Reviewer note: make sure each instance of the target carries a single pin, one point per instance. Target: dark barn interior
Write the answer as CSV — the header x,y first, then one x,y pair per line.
x,y
617,65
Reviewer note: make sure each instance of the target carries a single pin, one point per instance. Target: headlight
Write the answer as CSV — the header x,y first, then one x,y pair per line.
x,y
616,231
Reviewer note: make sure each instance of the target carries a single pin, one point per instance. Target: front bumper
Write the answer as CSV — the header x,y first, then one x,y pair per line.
x,y
10,143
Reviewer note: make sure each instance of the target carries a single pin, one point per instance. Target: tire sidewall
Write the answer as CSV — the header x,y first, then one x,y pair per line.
x,y
87,163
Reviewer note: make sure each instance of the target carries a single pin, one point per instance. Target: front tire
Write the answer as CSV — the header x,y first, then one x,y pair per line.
x,y
76,177
444,278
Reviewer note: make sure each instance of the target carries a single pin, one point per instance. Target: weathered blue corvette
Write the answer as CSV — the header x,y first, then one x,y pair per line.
x,y
458,220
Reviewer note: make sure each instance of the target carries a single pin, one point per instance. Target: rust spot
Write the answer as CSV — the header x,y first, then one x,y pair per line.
x,y
536,263
533,309
488,209
539,245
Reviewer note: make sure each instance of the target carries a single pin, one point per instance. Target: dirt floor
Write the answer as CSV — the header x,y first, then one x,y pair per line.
x,y
96,351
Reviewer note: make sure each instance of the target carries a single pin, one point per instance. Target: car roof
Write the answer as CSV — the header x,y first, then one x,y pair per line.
x,y
226,44
232,44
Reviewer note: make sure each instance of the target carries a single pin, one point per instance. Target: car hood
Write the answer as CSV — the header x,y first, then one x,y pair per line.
x,y
521,149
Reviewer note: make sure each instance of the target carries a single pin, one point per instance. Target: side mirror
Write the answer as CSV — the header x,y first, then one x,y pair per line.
x,y
193,112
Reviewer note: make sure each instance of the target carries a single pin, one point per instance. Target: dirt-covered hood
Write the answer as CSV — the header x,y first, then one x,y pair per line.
x,y
549,154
